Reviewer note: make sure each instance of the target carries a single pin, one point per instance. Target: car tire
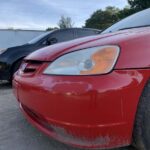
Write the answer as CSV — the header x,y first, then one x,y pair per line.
x,y
141,133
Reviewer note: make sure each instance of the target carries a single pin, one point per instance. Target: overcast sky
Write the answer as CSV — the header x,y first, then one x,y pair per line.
x,y
40,14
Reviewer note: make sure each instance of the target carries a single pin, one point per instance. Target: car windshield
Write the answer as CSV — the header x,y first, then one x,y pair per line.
x,y
137,20
35,40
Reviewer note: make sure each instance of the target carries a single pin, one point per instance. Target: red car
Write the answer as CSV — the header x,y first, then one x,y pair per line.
x,y
92,92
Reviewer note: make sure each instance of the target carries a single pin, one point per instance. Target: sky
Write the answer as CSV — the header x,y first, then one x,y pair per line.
x,y
41,14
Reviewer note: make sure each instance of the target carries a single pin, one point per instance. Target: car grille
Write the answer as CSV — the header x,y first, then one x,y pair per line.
x,y
30,67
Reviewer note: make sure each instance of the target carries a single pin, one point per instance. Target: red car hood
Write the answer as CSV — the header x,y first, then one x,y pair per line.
x,y
50,53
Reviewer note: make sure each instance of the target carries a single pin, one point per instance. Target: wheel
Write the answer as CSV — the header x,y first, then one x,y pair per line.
x,y
141,133
14,69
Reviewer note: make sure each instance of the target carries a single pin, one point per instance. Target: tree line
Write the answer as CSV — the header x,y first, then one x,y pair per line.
x,y
101,19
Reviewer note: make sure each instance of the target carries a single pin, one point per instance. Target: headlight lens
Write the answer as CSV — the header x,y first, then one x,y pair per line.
x,y
2,51
91,61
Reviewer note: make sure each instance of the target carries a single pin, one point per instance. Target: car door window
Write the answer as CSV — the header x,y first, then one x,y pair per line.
x,y
83,33
63,35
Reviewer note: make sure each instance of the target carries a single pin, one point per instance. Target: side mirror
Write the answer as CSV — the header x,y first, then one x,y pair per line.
x,y
51,41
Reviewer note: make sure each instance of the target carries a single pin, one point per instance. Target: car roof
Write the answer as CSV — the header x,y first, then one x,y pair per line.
x,y
90,29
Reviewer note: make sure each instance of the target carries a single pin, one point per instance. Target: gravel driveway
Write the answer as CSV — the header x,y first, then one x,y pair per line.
x,y
16,133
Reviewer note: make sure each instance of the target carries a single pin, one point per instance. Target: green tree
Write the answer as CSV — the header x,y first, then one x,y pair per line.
x,y
102,19
138,5
65,22
127,11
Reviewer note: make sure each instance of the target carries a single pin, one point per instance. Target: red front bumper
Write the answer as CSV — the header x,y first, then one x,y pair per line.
x,y
87,111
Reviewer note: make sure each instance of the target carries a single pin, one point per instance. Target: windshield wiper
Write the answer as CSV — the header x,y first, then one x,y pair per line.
x,y
134,27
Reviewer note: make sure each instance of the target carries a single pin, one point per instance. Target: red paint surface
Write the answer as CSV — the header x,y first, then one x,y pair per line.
x,y
88,111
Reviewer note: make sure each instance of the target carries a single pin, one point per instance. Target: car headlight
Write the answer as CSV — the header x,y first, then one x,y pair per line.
x,y
2,51
90,61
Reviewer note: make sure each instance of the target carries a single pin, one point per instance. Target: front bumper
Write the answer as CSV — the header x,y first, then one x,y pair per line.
x,y
89,111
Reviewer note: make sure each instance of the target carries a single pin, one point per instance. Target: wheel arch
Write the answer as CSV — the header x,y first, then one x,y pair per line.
x,y
13,65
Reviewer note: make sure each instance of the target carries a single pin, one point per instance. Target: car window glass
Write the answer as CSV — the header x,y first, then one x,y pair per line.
x,y
63,35
139,19
83,33
35,40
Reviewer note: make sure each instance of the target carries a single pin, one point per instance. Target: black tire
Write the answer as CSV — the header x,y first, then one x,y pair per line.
x,y
14,69
141,133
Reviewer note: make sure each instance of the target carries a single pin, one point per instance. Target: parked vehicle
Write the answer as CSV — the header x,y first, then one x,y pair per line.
x,y
11,58
92,92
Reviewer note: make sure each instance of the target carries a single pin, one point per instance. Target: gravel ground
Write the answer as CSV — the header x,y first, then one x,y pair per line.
x,y
16,133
